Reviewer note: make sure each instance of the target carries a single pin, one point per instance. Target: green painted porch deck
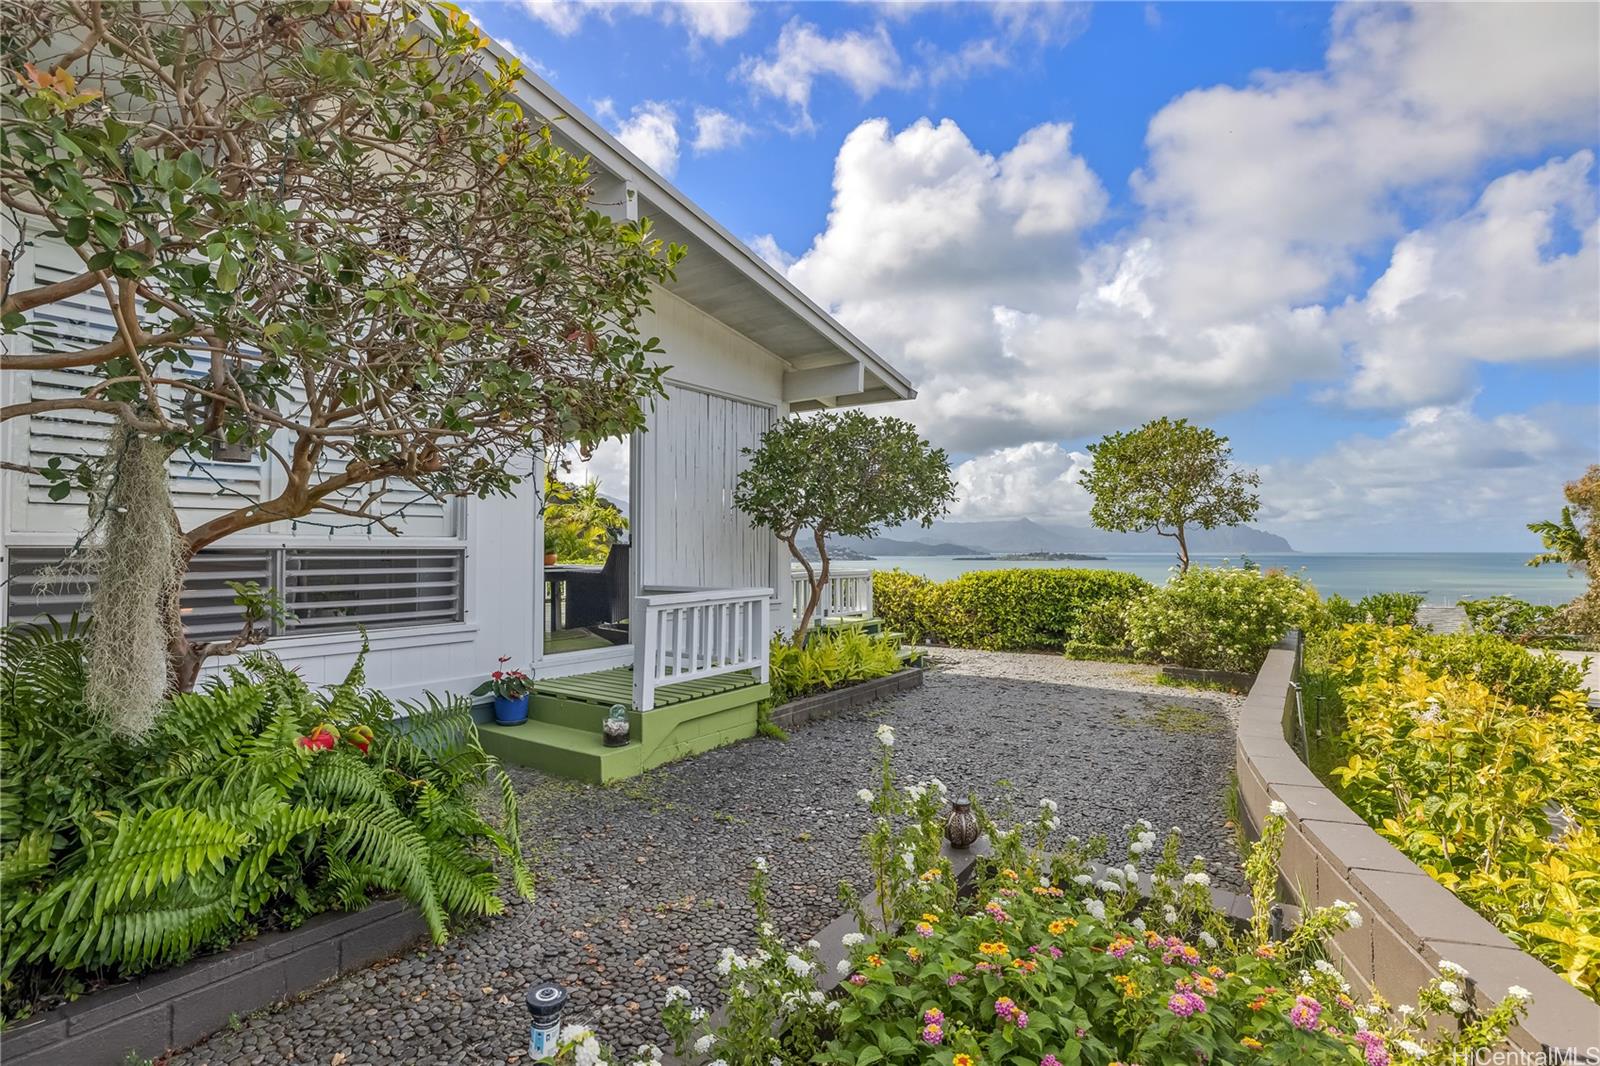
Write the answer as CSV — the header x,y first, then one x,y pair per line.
x,y
562,735
610,687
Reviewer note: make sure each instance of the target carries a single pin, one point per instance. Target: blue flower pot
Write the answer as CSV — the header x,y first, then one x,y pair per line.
x,y
508,711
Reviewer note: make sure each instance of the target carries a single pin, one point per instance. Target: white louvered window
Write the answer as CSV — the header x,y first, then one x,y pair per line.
x,y
326,591
200,487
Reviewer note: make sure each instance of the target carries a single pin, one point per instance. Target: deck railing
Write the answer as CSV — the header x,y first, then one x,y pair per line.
x,y
848,593
693,633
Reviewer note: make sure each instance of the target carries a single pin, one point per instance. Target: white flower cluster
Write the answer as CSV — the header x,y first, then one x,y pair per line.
x,y
1197,877
1049,805
1412,1048
759,863
886,735
647,1055
677,993
1352,917
1522,995
1454,969
865,795
1278,808
1208,940
1095,908
704,1044
850,940
798,966
1143,841
585,1048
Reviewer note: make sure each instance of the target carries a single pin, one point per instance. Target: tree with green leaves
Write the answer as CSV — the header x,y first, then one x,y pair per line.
x,y
1574,542
1167,476
844,473
330,239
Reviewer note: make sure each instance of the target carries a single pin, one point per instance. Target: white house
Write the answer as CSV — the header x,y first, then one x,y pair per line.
x,y
695,593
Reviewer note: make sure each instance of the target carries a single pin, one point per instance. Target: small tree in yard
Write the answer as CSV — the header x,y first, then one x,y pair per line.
x,y
331,240
840,474
1574,541
1166,476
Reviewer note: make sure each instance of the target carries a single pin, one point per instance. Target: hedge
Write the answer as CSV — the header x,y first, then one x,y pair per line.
x,y
1000,610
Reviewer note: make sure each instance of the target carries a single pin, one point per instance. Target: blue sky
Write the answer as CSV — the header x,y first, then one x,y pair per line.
x,y
1361,242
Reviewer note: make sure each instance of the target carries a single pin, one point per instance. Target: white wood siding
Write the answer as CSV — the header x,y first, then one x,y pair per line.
x,y
689,463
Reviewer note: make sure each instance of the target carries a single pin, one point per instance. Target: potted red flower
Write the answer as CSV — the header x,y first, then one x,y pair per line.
x,y
510,688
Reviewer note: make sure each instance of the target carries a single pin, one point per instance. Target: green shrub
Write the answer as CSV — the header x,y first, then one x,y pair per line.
x,y
898,599
1516,620
1219,618
252,804
830,658
1098,653
1507,669
1018,609
1337,611
1390,608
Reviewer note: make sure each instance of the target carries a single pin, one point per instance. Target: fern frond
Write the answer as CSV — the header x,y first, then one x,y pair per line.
x,y
385,840
150,932
155,848
207,725
341,776
26,860
465,883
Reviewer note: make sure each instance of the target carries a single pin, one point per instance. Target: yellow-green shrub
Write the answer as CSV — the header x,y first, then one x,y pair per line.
x,y
1001,610
1463,778
830,658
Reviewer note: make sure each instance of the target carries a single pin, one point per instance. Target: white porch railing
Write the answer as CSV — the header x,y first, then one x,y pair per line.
x,y
697,633
848,593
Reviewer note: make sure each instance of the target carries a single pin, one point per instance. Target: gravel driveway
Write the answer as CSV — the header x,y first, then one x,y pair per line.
x,y
641,884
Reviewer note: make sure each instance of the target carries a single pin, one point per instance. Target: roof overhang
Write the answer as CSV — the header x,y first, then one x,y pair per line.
x,y
825,364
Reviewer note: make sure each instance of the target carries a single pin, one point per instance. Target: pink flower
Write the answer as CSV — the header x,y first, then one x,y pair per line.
x,y
955,979
1305,1012
933,1016
932,1034
1049,1060
1377,1053
1004,1007
1055,952
1184,1004
1021,1019
858,979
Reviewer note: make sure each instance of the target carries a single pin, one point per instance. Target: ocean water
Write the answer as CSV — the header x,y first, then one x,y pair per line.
x,y
1442,577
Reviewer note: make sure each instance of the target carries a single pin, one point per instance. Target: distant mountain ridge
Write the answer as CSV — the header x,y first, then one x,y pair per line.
x,y
1029,535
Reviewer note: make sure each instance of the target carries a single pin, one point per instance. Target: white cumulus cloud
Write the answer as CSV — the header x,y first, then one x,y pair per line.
x,y
651,133
866,61
718,21
715,130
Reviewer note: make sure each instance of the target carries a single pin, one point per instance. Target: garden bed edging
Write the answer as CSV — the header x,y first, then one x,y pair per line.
x,y
1412,922
822,704
151,1015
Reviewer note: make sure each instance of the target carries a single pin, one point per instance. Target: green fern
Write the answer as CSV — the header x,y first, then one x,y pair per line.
x,y
123,857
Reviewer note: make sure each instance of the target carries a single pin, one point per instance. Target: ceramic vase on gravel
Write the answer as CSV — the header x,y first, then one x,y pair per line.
x,y
961,826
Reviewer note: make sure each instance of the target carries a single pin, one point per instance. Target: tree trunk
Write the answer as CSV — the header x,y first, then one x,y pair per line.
x,y
1183,550
815,583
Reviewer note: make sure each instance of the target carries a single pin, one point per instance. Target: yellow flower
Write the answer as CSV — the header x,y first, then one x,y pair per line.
x,y
1058,927
1205,985
963,1060
931,919
874,960
929,875
1250,1042
1129,987
993,947
1008,872
914,954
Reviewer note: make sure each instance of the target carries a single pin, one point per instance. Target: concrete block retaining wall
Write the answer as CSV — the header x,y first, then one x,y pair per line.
x,y
1412,921
800,711
176,1008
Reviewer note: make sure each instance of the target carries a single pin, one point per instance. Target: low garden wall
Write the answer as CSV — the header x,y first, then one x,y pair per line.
x,y
145,1018
1412,921
822,704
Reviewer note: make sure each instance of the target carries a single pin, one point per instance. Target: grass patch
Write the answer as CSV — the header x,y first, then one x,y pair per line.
x,y
1173,718
1168,681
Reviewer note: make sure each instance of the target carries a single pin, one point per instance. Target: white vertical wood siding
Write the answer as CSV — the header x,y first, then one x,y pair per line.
x,y
690,460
